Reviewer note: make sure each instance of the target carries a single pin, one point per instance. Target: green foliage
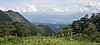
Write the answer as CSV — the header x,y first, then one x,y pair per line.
x,y
20,26
15,28
89,27
21,29
6,29
10,37
85,29
67,30
44,30
2,39
41,40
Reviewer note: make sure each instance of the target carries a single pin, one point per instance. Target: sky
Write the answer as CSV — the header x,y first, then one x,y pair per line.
x,y
60,8
51,5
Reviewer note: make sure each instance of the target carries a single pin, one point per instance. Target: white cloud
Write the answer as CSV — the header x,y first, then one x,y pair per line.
x,y
3,8
94,3
16,9
28,8
67,9
57,10
24,10
77,8
84,9
72,9
89,6
93,6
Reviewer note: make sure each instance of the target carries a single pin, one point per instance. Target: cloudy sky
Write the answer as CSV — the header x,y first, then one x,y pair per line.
x,y
51,6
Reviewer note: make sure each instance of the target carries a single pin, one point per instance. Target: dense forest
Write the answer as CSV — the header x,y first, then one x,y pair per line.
x,y
13,23
87,29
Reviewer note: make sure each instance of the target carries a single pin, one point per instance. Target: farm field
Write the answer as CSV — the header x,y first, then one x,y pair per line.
x,y
41,40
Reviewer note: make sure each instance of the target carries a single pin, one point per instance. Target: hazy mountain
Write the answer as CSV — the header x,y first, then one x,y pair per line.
x,y
56,27
53,27
59,18
11,16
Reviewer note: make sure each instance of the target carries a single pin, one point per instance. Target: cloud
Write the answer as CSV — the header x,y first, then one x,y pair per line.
x,y
94,3
16,9
67,9
57,10
93,6
84,9
3,8
89,6
28,8
71,9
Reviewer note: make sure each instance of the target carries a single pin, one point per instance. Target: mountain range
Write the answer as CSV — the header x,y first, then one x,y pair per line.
x,y
50,17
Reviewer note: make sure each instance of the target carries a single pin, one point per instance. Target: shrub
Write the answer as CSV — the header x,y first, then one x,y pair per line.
x,y
11,37
2,39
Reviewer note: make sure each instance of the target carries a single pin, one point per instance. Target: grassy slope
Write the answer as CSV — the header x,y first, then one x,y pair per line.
x,y
37,40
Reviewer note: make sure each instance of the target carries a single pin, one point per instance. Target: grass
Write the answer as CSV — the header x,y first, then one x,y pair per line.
x,y
41,40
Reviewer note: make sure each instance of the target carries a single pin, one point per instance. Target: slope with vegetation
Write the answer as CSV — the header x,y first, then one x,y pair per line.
x,y
14,24
85,29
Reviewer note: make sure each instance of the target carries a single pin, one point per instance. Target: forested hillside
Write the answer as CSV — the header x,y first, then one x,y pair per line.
x,y
87,29
13,23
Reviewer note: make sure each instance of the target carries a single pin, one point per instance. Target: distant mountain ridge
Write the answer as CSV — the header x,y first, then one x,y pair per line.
x,y
11,16
55,27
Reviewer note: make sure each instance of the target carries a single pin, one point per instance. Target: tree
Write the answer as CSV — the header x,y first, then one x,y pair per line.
x,y
67,31
6,29
89,28
21,29
76,25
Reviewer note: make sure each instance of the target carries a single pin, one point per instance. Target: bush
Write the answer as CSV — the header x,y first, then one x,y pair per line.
x,y
11,37
2,39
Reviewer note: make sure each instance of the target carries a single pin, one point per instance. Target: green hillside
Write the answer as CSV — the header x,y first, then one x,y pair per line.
x,y
85,29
